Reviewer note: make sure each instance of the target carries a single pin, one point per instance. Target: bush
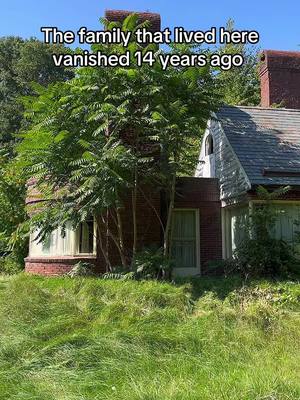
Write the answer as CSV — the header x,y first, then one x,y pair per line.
x,y
152,264
264,257
259,253
82,269
149,263
10,265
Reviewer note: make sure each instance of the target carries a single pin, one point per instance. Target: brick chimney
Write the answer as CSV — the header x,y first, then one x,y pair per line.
x,y
280,78
120,15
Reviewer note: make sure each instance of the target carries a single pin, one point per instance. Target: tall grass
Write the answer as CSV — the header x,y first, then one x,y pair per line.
x,y
67,339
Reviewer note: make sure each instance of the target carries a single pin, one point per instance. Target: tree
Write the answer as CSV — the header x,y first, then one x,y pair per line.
x,y
12,206
240,85
22,63
112,130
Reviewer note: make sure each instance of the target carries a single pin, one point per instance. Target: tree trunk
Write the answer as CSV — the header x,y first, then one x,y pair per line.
x,y
134,216
167,235
99,240
121,238
117,243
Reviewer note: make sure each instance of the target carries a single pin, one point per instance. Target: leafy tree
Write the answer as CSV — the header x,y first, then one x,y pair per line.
x,y
240,85
22,63
12,206
112,130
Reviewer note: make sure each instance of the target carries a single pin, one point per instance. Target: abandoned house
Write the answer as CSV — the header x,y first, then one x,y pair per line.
x,y
243,147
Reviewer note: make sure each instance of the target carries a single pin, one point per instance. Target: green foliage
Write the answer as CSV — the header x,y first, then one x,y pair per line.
x,y
260,253
149,263
240,85
86,338
11,264
152,264
23,62
82,269
100,135
13,231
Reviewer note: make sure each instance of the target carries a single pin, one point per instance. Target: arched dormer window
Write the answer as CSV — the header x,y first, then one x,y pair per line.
x,y
209,145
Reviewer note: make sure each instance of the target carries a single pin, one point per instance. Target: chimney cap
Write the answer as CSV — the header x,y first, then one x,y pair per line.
x,y
279,59
280,78
119,16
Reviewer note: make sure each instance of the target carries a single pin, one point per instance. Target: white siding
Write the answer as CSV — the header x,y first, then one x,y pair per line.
x,y
222,164
235,228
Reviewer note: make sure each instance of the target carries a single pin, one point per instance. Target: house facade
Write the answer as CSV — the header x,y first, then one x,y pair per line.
x,y
196,232
196,229
245,147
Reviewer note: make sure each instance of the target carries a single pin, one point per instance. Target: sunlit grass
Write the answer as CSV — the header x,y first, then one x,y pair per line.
x,y
92,339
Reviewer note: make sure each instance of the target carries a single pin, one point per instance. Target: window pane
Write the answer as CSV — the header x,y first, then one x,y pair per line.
x,y
183,249
287,222
86,237
58,243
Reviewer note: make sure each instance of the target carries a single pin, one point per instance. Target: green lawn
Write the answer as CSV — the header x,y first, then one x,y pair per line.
x,y
64,339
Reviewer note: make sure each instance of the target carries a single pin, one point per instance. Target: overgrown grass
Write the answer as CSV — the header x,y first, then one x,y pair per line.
x,y
77,339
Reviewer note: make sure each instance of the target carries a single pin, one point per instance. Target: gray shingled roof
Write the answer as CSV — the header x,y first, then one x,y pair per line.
x,y
265,139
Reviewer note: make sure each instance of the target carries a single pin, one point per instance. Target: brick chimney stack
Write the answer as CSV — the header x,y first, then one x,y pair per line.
x,y
280,78
120,15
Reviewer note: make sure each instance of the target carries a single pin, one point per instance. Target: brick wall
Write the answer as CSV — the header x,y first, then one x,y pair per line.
x,y
199,193
203,194
55,265
120,15
280,78
148,224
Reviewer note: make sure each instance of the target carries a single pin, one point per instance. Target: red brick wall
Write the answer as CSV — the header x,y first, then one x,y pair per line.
x,y
280,78
203,193
120,15
199,193
54,265
148,224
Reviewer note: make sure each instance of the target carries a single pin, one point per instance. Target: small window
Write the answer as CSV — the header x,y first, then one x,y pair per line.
x,y
86,237
184,238
209,145
66,242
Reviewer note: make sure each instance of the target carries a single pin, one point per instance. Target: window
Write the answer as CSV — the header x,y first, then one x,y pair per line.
x,y
185,243
86,235
287,225
209,145
69,242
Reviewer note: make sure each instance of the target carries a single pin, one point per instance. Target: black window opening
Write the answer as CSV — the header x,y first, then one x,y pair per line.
x,y
209,145
86,237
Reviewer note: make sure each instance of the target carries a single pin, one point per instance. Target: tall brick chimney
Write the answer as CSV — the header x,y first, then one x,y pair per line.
x,y
280,78
120,15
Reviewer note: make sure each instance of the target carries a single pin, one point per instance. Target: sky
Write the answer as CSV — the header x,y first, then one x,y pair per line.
x,y
278,22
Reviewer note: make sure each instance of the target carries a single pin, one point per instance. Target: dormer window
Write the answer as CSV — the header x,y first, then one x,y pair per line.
x,y
209,145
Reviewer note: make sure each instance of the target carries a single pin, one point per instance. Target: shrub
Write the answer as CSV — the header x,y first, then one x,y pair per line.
x,y
82,269
10,265
259,253
152,264
149,263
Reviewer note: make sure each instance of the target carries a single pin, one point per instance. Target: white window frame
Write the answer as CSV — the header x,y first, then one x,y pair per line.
x,y
77,244
186,271
74,246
